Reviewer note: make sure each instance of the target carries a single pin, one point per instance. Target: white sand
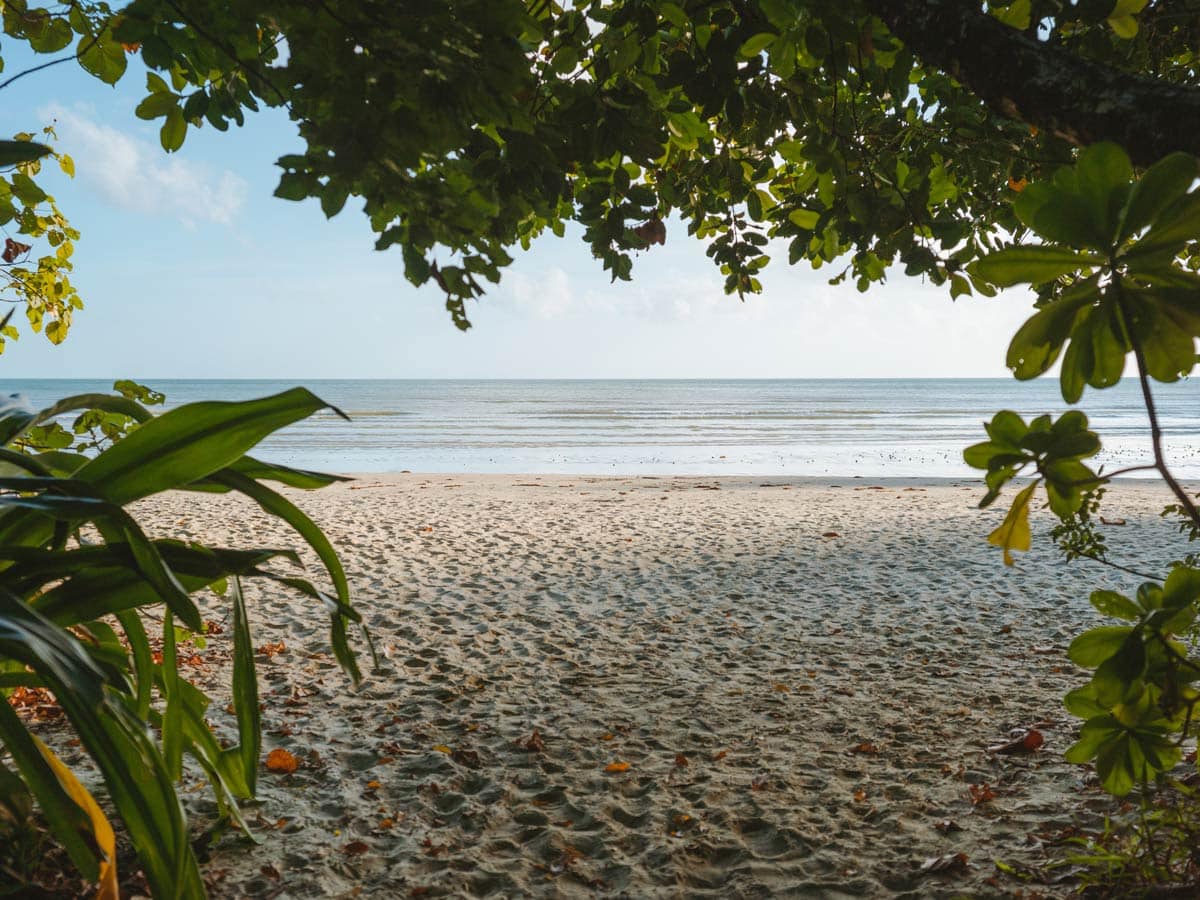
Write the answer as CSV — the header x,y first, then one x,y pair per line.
x,y
701,630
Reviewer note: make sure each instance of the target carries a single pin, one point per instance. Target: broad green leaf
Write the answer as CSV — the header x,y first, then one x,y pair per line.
x,y
1104,173
1037,343
1176,225
1162,184
1110,603
174,129
1013,533
156,105
1030,264
1058,214
1096,645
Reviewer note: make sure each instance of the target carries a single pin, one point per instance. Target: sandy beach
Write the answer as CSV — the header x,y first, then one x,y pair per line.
x,y
663,687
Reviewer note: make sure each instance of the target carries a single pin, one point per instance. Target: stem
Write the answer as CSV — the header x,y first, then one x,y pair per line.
x,y
1105,562
1156,434
1098,479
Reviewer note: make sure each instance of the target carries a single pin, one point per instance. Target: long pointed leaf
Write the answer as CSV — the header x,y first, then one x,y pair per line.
x,y
191,442
245,690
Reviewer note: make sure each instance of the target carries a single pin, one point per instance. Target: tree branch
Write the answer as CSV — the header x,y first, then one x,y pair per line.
x,y
1045,85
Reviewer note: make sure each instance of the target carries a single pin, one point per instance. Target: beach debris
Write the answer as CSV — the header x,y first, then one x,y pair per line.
x,y
607,736
442,748
760,782
468,758
282,762
945,863
864,747
271,650
681,760
830,534
720,755
1105,521
945,826
981,793
356,848
373,785
535,743
618,766
860,796
1028,742
782,688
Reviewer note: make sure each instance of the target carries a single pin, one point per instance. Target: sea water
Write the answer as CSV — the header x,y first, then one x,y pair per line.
x,y
885,427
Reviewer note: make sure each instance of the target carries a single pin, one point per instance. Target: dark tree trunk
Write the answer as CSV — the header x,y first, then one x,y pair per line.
x,y
1047,86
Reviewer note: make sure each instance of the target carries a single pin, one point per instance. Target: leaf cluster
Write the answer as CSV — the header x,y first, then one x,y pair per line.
x,y
78,578
1138,707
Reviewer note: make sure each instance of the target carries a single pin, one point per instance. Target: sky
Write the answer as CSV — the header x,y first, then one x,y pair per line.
x,y
189,268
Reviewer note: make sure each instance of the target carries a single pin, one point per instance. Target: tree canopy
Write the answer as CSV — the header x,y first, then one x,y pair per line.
x,y
868,133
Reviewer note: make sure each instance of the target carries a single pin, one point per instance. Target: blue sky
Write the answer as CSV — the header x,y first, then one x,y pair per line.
x,y
191,269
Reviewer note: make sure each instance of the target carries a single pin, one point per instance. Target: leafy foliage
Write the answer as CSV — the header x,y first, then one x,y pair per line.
x,y
471,127
1111,283
77,573
41,284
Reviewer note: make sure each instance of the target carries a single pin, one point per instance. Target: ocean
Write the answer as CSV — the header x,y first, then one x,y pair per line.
x,y
869,428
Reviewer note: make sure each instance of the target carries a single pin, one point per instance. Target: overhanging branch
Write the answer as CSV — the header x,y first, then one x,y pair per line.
x,y
1061,93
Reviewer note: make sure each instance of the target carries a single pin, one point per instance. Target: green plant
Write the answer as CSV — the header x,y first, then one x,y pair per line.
x,y
1111,283
77,573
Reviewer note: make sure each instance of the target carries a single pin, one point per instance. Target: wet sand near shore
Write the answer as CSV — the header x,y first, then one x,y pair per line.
x,y
663,687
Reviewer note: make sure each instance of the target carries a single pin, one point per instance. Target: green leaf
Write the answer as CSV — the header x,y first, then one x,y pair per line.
x,y
1162,184
245,690
1058,214
1175,226
1026,264
174,130
1016,14
757,44
156,105
14,152
1103,174
804,218
1095,646
191,442
103,57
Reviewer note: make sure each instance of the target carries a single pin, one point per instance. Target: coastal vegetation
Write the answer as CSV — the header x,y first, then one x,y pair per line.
x,y
978,147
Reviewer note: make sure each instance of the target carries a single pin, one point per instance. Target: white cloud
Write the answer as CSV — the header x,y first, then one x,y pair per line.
x,y
136,175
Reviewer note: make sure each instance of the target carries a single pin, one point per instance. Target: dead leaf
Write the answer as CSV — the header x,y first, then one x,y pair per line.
x,y
830,534
468,758
1030,741
782,688
271,650
681,760
534,743
607,737
373,785
860,796
618,767
356,848
13,249
282,762
720,756
442,748
981,793
944,863
864,747
386,823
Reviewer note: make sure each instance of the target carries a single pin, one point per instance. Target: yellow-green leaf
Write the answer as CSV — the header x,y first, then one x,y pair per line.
x,y
101,829
1013,533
